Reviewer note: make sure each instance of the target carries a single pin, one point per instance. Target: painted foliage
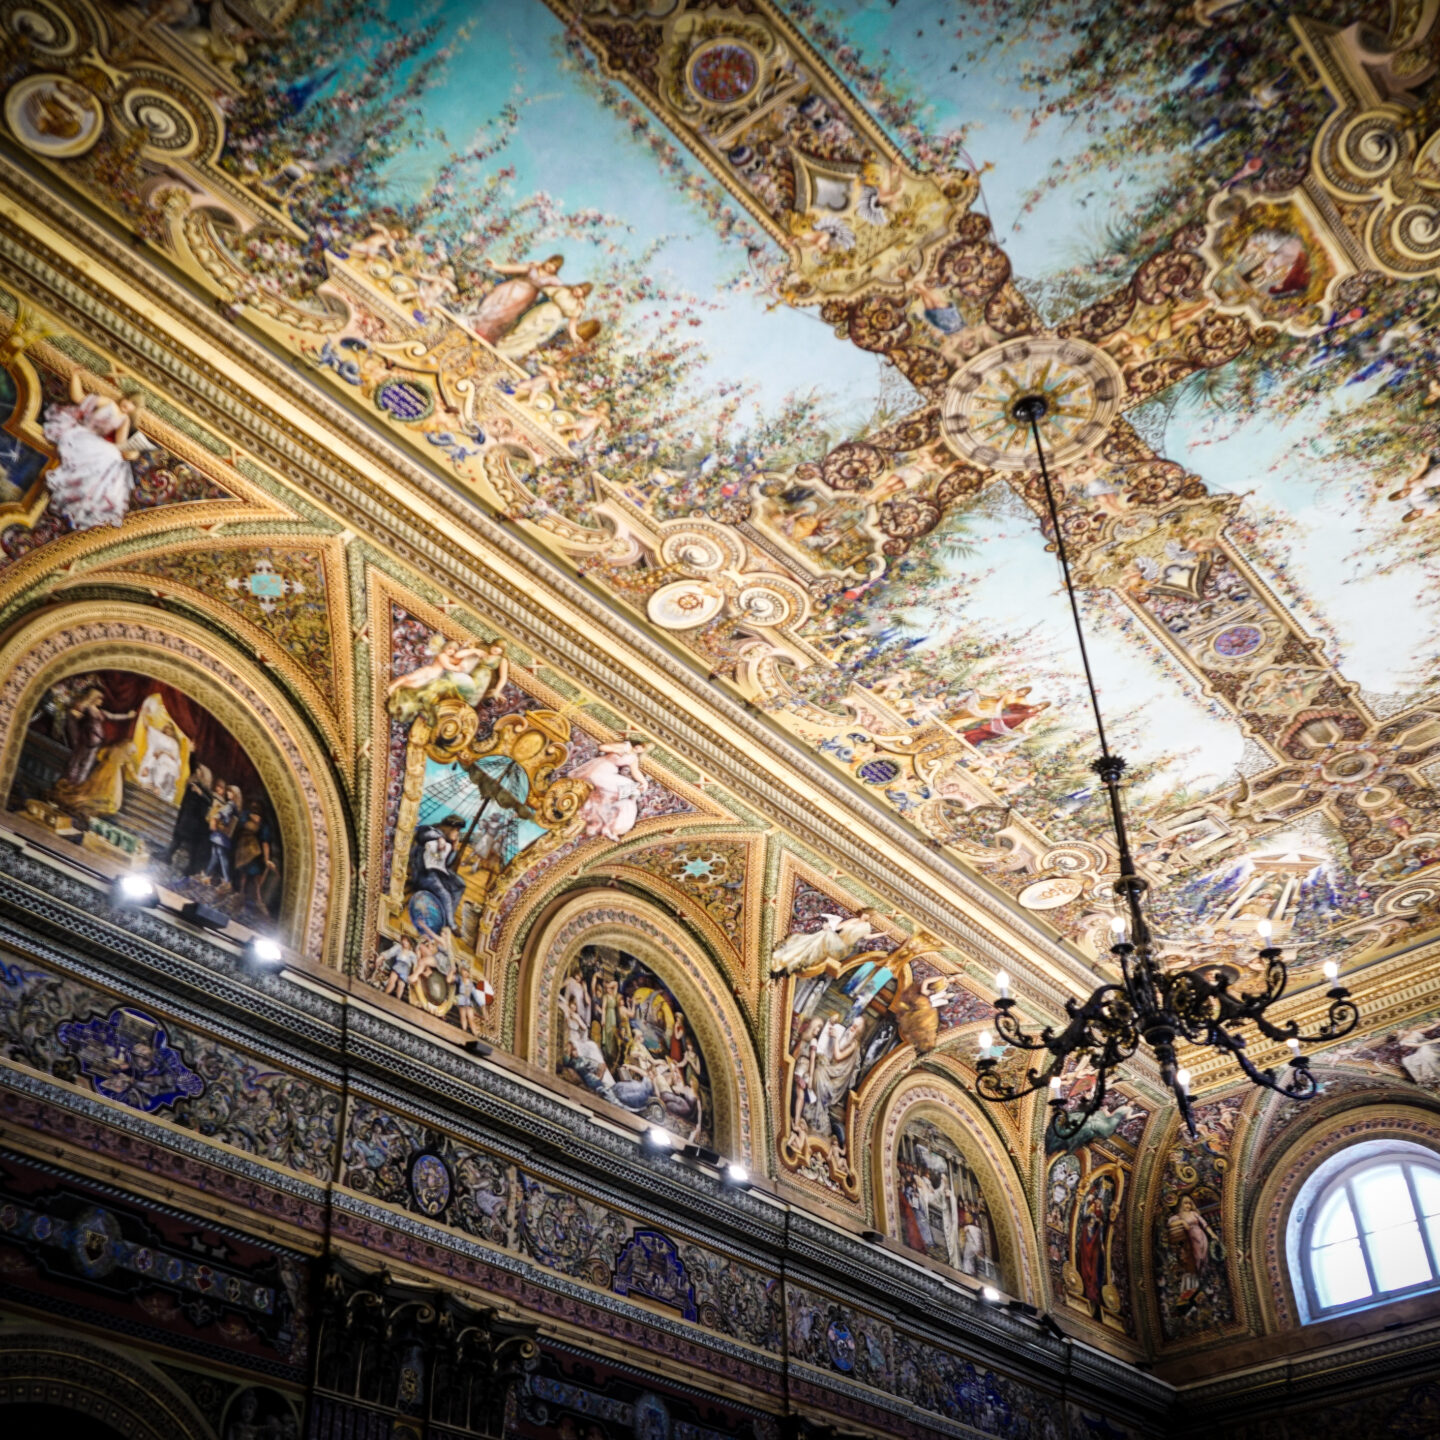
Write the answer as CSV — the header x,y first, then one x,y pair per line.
x,y
139,772
622,1034
944,1211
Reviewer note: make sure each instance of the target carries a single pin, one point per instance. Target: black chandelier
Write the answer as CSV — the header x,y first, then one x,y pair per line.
x,y
1150,1005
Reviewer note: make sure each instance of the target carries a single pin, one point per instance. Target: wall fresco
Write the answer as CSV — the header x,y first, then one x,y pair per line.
x,y
622,1035
1192,1274
1089,1205
139,772
944,1211
485,784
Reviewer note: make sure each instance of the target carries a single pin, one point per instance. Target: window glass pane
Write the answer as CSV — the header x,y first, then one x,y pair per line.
x,y
1433,1225
1398,1255
1335,1221
1427,1187
1382,1196
1339,1272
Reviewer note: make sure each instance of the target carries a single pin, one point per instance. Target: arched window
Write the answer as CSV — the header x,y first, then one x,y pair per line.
x,y
1369,1229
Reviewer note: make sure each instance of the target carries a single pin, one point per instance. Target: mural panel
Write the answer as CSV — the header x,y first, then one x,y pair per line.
x,y
1192,1277
944,1212
139,772
1089,1204
486,786
622,1035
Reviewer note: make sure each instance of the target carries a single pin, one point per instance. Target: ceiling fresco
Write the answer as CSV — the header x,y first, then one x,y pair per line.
x,y
726,304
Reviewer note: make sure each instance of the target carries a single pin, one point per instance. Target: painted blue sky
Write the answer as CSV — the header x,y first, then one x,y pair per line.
x,y
915,44
571,147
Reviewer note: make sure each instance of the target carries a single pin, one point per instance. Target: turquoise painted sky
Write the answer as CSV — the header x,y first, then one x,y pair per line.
x,y
571,147
913,43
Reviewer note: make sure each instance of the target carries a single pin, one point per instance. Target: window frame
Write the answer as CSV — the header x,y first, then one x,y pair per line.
x,y
1408,1160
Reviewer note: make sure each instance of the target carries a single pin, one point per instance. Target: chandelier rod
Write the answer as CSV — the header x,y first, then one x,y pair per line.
x,y
1031,409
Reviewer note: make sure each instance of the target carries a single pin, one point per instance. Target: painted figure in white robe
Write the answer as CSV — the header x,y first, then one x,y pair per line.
x,y
616,784
97,441
835,941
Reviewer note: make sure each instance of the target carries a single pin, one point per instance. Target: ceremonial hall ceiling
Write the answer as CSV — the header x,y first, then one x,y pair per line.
x,y
530,516
753,288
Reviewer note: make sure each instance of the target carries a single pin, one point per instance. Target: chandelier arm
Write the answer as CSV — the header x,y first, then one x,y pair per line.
x,y
1343,1018
1012,1032
990,1086
1302,1082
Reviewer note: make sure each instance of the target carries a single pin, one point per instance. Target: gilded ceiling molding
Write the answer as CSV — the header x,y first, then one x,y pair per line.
x,y
923,1094
68,640
1268,1207
610,918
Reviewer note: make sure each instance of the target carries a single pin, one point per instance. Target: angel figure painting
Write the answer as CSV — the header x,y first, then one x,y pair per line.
x,y
943,1212
97,440
622,1034
139,772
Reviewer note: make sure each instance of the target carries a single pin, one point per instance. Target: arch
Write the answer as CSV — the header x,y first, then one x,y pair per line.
x,y
611,918
55,644
1273,1204
924,1096
38,1368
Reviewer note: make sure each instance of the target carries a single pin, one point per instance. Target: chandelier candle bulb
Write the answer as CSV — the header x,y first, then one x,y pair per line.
x,y
1117,925
1264,929
1294,1045
1182,1081
983,1039
1002,983
1332,971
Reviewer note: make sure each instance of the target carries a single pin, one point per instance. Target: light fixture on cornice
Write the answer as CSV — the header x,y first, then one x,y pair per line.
x,y
1150,1005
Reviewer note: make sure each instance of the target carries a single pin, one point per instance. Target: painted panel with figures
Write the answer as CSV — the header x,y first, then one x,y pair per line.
x,y
137,771
944,1211
622,1035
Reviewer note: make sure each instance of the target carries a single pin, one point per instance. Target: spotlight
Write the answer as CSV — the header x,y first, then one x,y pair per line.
x,y
990,1295
479,1048
204,915
737,1175
661,1142
873,1236
135,890
1019,1307
262,950
700,1153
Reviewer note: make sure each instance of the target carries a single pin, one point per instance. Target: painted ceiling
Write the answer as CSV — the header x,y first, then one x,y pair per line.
x,y
760,283
725,304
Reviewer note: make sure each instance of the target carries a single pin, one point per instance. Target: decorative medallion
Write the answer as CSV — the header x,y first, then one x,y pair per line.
x,y
685,604
1272,260
1238,641
54,117
879,772
1082,384
1051,894
768,604
405,400
430,1184
723,72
